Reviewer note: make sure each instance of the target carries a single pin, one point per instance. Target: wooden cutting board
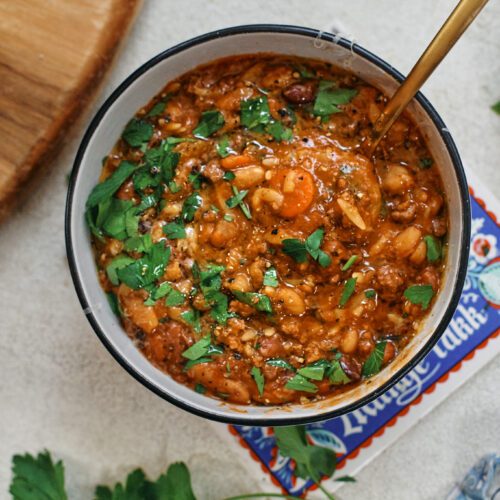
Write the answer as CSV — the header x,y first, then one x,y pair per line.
x,y
53,54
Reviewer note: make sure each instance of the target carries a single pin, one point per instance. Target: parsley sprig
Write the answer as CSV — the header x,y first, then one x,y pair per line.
x,y
299,250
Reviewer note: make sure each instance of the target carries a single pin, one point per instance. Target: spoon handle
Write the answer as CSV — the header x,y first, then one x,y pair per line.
x,y
453,28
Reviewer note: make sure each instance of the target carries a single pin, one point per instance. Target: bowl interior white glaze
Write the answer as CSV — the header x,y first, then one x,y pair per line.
x,y
137,91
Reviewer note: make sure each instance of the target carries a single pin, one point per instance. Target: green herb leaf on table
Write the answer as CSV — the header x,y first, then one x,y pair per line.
x,y
258,301
329,98
109,186
137,132
312,461
434,248
373,364
420,295
259,379
496,108
348,290
271,277
350,262
210,122
174,230
301,383
37,478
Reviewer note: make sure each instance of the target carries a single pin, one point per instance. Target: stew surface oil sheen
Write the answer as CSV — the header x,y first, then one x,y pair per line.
x,y
250,248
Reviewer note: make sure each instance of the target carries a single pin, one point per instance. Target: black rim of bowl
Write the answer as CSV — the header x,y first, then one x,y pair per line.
x,y
465,243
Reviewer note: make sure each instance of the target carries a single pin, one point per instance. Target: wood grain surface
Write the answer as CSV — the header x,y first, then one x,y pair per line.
x,y
53,54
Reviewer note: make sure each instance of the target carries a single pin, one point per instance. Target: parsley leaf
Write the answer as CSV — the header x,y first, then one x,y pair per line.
x,y
496,108
348,290
157,109
373,364
255,112
137,132
37,478
312,461
300,383
237,200
271,277
118,262
280,363
210,122
108,187
337,375
419,295
259,379
434,248
329,98
192,318
223,147
370,293
174,230
138,243
279,131
425,163
313,372
229,176
296,249
198,349
351,261
175,484
258,301
191,204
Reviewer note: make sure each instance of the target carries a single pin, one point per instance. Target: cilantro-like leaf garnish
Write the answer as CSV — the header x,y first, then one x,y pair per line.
x,y
237,200
279,131
298,250
496,108
370,293
108,187
329,97
174,230
259,379
118,262
311,461
373,364
37,478
210,122
137,132
157,109
425,163
223,147
255,112
434,248
280,363
271,277
192,318
301,383
336,375
350,262
348,290
419,295
191,204
258,301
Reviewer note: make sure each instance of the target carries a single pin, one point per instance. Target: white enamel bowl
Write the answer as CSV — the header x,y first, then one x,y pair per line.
x,y
136,91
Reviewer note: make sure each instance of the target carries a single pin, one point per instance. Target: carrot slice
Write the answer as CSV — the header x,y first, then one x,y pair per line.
x,y
235,161
297,186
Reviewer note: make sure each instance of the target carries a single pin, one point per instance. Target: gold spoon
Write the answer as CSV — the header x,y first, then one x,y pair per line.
x,y
453,28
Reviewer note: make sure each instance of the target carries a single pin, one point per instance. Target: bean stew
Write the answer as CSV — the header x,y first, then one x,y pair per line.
x,y
250,246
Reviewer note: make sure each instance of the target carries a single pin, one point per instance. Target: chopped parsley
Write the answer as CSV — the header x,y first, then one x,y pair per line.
x,y
137,133
210,122
259,379
420,295
373,364
174,230
229,176
348,290
434,248
255,112
190,205
223,147
237,200
157,109
280,363
425,163
351,261
258,301
298,249
370,293
300,383
192,318
271,277
330,97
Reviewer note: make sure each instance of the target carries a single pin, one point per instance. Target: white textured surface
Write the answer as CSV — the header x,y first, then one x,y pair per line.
x,y
61,390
